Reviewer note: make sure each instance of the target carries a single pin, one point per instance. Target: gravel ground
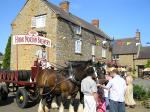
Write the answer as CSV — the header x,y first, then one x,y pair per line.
x,y
11,106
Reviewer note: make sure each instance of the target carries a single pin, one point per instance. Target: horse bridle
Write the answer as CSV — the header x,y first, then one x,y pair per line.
x,y
72,74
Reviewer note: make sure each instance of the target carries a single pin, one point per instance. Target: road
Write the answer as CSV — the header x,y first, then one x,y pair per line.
x,y
11,106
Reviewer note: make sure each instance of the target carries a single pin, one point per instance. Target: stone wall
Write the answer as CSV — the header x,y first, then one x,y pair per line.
x,y
126,60
24,55
60,33
132,61
141,61
65,49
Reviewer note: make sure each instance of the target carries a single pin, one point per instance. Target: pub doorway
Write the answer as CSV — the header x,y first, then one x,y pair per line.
x,y
140,69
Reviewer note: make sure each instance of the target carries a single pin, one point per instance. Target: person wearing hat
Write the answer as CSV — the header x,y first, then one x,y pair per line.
x,y
42,57
89,89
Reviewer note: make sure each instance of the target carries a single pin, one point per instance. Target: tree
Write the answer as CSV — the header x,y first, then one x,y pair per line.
x,y
6,59
1,54
147,64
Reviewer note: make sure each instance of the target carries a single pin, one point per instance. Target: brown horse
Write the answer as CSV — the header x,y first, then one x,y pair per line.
x,y
64,83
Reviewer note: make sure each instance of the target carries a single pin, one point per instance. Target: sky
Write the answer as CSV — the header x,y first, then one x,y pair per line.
x,y
118,18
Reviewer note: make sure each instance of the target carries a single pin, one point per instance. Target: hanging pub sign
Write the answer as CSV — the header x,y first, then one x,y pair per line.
x,y
32,38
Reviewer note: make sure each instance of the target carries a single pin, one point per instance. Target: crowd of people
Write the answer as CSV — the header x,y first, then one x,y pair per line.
x,y
112,96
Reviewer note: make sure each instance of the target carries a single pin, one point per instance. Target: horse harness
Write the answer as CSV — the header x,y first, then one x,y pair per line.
x,y
48,95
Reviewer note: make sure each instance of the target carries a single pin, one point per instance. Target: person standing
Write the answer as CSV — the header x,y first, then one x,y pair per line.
x,y
129,101
101,103
42,57
89,89
117,88
106,92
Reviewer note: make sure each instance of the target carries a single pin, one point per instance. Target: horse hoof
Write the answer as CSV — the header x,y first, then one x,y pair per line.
x,y
54,105
71,108
61,108
80,108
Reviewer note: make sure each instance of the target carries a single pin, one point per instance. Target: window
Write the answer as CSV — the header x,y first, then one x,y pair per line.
x,y
115,57
93,50
38,21
78,44
103,52
77,30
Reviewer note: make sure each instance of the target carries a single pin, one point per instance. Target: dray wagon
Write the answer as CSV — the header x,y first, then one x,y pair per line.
x,y
22,82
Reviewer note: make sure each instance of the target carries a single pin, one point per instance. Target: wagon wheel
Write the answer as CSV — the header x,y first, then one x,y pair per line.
x,y
34,95
4,92
22,97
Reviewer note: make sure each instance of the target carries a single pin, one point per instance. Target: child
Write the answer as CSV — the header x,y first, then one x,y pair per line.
x,y
101,104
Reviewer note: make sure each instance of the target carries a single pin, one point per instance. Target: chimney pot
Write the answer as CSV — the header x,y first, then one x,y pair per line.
x,y
138,35
95,22
64,6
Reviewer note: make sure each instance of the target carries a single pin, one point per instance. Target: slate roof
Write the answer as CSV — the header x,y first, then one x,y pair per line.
x,y
76,20
144,53
125,46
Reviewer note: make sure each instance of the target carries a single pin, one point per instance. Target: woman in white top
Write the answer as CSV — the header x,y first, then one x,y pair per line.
x,y
89,89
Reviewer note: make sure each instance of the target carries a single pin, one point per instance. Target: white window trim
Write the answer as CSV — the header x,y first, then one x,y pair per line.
x,y
38,21
33,22
78,46
103,52
93,50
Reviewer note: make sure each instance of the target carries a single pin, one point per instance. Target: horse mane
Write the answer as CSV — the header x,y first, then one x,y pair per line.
x,y
80,63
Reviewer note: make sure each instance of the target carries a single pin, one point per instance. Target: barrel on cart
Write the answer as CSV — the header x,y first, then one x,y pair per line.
x,y
22,82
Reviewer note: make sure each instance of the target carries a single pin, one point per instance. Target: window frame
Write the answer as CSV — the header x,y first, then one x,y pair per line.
x,y
38,21
104,52
93,50
115,56
78,30
78,46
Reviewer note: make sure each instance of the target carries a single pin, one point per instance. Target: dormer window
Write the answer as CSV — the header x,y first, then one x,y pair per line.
x,y
77,30
38,21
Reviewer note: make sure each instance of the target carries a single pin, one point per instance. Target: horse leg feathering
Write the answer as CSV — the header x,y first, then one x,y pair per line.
x,y
61,108
42,107
80,108
71,108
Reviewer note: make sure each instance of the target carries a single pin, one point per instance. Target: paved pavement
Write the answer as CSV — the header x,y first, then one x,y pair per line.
x,y
142,82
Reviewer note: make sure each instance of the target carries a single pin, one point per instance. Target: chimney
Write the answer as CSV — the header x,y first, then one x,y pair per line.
x,y
137,35
64,5
95,22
